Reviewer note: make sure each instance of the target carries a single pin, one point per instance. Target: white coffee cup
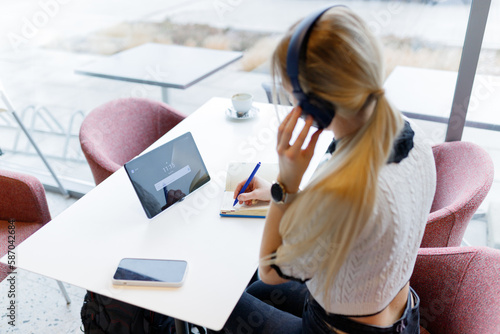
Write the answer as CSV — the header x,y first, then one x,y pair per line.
x,y
242,102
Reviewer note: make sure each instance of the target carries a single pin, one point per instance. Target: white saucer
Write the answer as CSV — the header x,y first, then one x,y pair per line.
x,y
231,113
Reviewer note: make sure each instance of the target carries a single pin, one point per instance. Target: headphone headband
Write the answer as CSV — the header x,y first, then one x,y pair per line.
x,y
298,46
321,110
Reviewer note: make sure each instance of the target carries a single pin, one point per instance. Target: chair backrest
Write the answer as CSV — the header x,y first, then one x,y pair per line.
x,y
22,199
459,289
114,133
464,177
281,96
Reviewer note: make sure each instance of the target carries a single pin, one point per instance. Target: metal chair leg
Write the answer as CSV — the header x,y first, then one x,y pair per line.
x,y
10,108
64,292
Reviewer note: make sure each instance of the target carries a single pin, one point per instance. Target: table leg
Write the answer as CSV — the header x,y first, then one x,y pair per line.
x,y
64,292
181,327
164,94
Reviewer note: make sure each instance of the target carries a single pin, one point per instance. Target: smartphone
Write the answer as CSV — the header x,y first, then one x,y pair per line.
x,y
150,272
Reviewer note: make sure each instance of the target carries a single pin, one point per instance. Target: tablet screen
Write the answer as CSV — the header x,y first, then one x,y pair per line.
x,y
167,174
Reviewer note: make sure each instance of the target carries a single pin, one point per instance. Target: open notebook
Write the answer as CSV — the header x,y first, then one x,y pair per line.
x,y
240,171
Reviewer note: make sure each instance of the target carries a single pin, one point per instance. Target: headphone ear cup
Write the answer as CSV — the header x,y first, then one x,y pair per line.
x,y
322,111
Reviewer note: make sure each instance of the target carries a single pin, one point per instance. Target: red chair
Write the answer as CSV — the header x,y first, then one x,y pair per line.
x,y
459,289
464,177
117,131
23,208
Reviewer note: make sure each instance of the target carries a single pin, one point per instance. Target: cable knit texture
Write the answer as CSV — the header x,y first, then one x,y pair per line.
x,y
382,258
464,177
459,289
117,131
22,199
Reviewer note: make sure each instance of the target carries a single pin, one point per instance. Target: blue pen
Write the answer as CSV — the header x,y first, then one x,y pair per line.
x,y
247,183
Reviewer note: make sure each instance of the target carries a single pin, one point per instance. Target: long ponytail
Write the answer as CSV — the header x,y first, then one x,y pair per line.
x,y
340,200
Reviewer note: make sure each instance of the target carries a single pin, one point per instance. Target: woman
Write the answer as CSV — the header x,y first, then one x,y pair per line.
x,y
353,233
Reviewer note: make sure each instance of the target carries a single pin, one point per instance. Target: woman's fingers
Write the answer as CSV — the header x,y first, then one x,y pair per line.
x,y
297,145
240,185
286,128
246,196
237,189
287,131
309,151
259,189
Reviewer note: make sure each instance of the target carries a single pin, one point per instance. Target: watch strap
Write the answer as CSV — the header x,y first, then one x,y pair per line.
x,y
289,197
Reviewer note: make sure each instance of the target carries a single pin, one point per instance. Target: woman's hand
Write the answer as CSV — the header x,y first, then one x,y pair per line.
x,y
258,189
293,160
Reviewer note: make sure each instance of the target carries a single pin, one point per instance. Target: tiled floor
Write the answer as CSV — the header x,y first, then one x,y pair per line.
x,y
45,78
40,306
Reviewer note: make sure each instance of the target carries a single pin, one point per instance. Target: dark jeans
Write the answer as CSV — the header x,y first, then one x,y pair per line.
x,y
288,308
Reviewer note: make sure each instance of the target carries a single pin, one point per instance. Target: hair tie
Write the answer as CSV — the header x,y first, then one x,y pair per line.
x,y
379,92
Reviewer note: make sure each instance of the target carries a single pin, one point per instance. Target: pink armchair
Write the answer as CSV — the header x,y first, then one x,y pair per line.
x,y
117,131
23,202
459,289
22,199
464,177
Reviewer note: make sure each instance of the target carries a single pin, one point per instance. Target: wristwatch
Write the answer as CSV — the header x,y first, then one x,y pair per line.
x,y
280,195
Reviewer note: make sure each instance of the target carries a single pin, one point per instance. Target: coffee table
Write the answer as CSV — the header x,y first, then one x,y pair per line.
x,y
427,94
167,66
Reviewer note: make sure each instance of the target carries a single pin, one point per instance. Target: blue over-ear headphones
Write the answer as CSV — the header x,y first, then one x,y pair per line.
x,y
322,111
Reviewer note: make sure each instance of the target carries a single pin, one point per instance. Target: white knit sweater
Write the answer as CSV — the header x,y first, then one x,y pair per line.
x,y
382,258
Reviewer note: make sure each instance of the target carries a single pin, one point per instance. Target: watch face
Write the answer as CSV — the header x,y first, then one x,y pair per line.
x,y
277,192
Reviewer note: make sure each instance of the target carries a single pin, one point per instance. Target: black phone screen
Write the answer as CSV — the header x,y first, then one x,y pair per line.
x,y
151,270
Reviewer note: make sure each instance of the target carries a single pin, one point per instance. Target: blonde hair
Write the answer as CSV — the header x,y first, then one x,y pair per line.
x,y
345,67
